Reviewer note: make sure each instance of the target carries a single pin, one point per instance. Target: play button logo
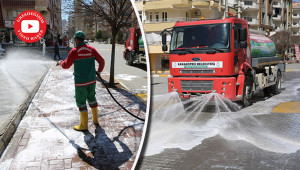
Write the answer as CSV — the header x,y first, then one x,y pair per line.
x,y
30,26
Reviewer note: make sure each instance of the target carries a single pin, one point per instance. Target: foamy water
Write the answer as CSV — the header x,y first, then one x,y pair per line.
x,y
185,124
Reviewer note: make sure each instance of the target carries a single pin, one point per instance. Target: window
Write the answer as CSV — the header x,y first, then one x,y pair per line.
x,y
141,15
150,16
248,19
157,16
164,16
187,16
14,13
236,39
248,2
236,35
201,37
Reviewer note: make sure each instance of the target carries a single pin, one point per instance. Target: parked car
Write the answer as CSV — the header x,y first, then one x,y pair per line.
x,y
2,51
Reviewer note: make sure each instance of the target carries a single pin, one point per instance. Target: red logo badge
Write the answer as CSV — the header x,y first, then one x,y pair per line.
x,y
30,26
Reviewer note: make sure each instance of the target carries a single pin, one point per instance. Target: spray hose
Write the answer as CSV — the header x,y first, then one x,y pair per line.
x,y
116,100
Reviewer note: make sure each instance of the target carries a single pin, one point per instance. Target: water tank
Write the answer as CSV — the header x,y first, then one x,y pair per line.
x,y
262,46
141,42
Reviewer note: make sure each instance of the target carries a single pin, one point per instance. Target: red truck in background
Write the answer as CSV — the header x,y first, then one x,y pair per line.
x,y
221,56
134,47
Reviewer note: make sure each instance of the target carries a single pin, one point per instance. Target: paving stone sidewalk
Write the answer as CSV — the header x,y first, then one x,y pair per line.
x,y
45,138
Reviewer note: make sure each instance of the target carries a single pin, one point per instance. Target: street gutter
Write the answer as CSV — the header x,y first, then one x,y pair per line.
x,y
8,130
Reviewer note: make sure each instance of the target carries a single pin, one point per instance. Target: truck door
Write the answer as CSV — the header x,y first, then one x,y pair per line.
x,y
238,52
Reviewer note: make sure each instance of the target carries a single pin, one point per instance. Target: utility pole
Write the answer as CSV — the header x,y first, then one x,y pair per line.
x,y
239,8
226,8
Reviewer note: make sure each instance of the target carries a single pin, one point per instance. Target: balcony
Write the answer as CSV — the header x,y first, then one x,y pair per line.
x,y
297,25
277,5
297,16
296,33
277,18
279,29
172,20
165,4
252,21
250,5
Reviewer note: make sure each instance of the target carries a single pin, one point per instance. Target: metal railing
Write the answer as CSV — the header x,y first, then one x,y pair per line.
x,y
172,20
254,5
253,21
278,17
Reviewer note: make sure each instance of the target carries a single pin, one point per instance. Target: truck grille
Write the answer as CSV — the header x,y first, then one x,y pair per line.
x,y
196,85
191,71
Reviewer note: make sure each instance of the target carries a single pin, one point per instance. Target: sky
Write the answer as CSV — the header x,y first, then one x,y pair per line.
x,y
64,6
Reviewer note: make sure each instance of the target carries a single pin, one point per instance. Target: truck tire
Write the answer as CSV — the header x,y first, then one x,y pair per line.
x,y
275,89
267,91
247,91
129,59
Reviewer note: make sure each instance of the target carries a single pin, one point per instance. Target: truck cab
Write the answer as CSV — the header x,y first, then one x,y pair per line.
x,y
215,56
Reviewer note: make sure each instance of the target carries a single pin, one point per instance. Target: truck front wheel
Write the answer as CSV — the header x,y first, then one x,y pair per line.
x,y
247,91
129,58
275,89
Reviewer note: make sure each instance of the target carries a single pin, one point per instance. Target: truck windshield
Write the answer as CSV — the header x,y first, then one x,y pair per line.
x,y
201,37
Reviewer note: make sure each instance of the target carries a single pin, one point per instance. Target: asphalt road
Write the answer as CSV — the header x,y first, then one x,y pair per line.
x,y
134,77
255,137
159,85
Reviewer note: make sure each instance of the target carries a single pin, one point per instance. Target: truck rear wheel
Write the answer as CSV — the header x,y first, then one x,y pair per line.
x,y
275,89
129,59
247,91
267,91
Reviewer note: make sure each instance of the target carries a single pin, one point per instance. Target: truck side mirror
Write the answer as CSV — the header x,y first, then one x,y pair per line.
x,y
243,44
164,38
243,34
164,47
164,41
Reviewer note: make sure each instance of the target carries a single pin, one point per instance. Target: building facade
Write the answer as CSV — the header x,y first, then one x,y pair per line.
x,y
296,19
50,9
156,15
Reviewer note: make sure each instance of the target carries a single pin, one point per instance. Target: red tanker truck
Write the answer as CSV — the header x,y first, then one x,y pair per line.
x,y
134,51
221,56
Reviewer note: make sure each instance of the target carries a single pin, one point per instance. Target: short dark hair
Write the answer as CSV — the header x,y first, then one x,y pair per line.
x,y
80,39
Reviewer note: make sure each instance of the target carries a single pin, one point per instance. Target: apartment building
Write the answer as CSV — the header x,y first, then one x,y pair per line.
x,y
50,9
156,15
265,15
282,15
296,19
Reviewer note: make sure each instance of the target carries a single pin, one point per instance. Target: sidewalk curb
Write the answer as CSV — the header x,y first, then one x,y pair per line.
x,y
14,121
161,75
129,90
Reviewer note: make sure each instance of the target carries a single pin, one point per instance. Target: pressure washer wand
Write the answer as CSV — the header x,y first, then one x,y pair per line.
x,y
116,100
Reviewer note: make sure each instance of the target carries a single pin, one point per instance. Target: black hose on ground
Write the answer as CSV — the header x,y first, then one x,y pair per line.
x,y
116,100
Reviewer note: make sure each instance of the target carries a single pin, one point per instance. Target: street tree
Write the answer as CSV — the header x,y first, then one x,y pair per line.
x,y
117,14
282,41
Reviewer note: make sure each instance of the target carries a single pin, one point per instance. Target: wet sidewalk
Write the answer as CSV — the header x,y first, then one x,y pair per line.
x,y
21,73
45,138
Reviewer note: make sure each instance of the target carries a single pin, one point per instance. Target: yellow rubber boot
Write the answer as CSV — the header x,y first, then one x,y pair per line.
x,y
95,115
83,122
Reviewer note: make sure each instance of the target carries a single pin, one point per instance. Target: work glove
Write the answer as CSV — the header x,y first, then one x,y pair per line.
x,y
98,73
58,62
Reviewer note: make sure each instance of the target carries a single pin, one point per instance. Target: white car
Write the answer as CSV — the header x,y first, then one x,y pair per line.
x,y
2,51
